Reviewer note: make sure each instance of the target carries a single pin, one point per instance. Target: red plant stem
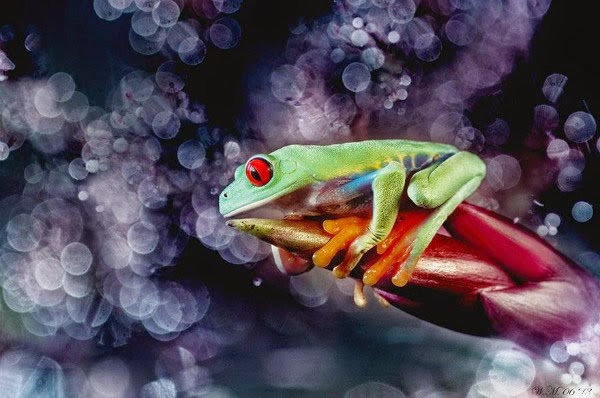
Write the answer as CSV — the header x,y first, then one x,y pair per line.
x,y
491,278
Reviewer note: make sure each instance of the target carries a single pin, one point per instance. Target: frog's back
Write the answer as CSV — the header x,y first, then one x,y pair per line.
x,y
414,155
356,157
399,147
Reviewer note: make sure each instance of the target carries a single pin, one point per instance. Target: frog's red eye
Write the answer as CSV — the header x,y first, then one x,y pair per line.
x,y
259,171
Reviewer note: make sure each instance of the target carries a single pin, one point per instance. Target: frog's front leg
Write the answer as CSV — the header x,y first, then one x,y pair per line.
x,y
387,185
441,186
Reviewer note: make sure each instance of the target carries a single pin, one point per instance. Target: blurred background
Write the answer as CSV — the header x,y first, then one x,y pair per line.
x,y
122,120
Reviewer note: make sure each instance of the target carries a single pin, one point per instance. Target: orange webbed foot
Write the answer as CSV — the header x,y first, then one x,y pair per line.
x,y
344,231
395,249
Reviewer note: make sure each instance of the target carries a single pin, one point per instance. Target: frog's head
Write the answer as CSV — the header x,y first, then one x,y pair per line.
x,y
261,180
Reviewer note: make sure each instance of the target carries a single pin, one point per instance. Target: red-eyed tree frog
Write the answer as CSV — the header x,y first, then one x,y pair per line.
x,y
439,177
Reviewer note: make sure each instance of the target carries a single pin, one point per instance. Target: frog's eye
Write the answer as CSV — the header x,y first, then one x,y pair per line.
x,y
259,171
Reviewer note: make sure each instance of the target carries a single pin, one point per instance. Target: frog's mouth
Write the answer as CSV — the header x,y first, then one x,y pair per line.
x,y
251,206
292,190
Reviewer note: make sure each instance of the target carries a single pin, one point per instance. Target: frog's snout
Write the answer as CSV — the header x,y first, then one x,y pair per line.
x,y
223,197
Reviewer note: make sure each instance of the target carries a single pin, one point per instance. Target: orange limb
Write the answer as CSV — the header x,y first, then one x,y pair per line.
x,y
401,278
345,230
395,249
406,222
395,255
335,226
359,294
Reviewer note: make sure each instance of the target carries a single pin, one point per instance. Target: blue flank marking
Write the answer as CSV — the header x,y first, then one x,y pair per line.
x,y
362,182
359,184
420,160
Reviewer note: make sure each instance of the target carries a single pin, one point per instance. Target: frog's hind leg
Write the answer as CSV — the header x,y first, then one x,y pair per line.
x,y
441,186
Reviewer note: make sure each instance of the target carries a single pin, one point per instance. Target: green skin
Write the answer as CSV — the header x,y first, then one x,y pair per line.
x,y
443,177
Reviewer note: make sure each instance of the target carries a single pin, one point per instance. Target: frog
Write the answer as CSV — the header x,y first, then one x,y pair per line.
x,y
432,176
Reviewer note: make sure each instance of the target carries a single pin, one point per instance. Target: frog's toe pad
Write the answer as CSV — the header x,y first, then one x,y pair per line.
x,y
359,294
401,278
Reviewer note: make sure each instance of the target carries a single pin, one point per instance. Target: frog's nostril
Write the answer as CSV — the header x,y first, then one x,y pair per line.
x,y
224,194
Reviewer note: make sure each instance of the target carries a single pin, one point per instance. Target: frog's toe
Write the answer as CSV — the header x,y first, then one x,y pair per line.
x,y
354,254
393,257
345,231
359,294
396,260
343,270
396,251
401,277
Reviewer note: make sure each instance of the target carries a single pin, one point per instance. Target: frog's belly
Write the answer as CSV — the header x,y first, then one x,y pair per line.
x,y
322,200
